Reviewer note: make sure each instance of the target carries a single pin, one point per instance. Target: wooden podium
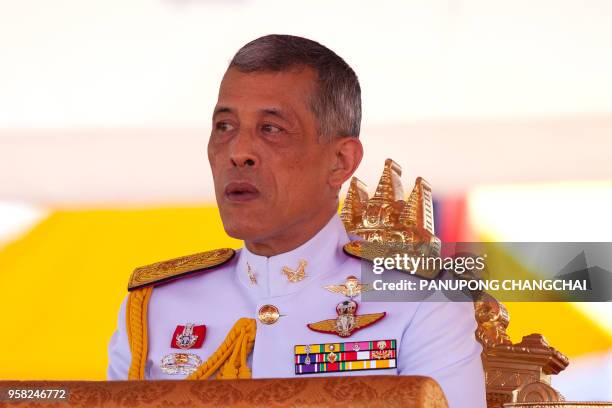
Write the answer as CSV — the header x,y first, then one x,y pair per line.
x,y
354,391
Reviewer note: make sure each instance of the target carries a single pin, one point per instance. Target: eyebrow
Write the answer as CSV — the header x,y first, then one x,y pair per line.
x,y
222,109
275,112
268,111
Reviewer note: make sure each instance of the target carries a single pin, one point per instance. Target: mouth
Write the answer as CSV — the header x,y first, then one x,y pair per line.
x,y
241,192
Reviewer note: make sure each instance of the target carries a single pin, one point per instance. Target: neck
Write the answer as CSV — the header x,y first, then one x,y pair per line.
x,y
291,237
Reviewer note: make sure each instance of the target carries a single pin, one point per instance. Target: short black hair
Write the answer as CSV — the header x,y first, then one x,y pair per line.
x,y
337,102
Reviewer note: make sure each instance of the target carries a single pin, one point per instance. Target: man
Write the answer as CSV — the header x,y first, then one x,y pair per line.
x,y
284,139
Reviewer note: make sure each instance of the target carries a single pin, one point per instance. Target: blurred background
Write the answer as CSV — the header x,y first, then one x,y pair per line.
x,y
505,107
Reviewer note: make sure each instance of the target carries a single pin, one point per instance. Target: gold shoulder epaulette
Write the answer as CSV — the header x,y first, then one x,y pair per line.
x,y
369,251
178,267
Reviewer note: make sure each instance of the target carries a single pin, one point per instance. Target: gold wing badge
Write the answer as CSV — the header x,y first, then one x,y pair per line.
x,y
350,288
348,321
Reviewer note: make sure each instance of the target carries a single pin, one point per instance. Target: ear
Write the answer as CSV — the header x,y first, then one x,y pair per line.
x,y
348,153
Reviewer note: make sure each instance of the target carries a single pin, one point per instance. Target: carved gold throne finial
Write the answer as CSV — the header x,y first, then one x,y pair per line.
x,y
386,217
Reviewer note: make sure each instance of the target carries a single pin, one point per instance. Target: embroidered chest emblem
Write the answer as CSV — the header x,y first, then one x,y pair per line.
x,y
188,336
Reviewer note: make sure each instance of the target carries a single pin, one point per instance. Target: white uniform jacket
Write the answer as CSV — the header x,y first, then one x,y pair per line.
x,y
433,338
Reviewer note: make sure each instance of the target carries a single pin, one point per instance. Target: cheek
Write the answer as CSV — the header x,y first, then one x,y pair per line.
x,y
301,181
213,158
210,152
281,181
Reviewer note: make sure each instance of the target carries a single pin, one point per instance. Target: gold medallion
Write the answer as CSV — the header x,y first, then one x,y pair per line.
x,y
268,314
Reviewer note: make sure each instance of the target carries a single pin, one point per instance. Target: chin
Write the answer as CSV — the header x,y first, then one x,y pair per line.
x,y
242,227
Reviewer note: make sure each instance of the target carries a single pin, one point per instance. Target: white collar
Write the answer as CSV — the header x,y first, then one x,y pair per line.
x,y
323,253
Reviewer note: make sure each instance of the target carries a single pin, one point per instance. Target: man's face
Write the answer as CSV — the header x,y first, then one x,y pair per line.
x,y
269,168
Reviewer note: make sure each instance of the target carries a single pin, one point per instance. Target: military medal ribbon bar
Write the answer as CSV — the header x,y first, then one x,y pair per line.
x,y
349,356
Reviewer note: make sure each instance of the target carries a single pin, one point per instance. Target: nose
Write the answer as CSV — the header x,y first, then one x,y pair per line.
x,y
242,153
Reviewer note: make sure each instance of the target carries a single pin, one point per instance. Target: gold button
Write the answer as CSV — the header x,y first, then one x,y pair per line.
x,y
268,314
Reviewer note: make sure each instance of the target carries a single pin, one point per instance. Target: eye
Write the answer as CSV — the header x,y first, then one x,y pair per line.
x,y
271,129
223,127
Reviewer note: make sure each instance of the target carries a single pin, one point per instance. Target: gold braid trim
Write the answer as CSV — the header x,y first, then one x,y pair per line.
x,y
136,321
239,341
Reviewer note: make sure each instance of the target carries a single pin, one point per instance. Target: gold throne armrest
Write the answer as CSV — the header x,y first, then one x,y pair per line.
x,y
518,372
